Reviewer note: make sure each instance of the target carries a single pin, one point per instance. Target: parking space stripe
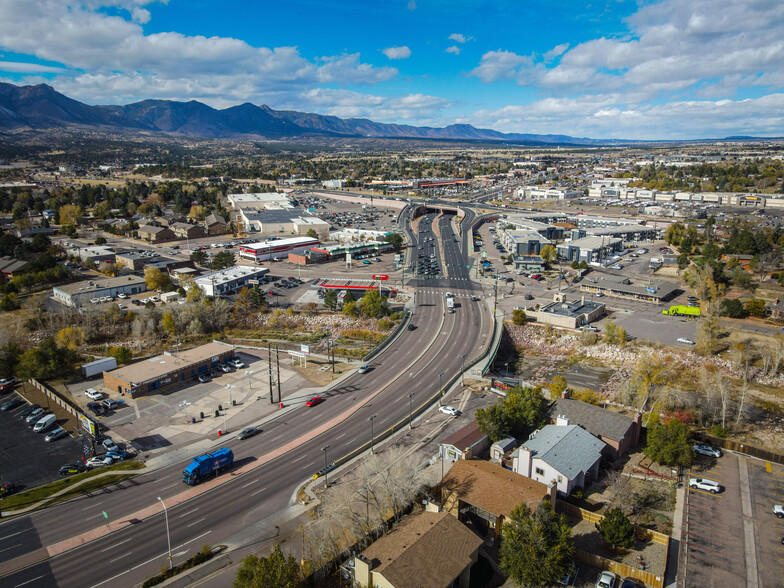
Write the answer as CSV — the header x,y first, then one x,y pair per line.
x,y
704,492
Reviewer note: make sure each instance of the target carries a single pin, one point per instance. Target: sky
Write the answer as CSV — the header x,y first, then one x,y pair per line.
x,y
672,69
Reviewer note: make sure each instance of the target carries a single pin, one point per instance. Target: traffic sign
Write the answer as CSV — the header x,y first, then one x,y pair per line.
x,y
253,282
304,348
380,277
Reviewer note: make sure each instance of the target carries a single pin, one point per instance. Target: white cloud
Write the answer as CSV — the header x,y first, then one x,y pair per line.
x,y
501,65
19,67
459,38
454,49
397,52
116,51
556,51
413,108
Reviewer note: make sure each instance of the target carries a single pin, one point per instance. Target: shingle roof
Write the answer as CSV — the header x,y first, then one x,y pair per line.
x,y
598,421
426,550
466,437
491,487
567,449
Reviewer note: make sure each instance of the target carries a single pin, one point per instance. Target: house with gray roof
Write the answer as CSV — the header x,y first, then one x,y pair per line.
x,y
620,433
563,454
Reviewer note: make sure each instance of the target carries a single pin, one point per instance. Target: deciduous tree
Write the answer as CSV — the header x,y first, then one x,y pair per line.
x,y
274,571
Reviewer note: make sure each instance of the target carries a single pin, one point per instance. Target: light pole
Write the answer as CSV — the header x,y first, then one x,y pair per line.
x,y
410,421
185,404
229,387
440,389
372,437
326,478
248,373
168,536
462,370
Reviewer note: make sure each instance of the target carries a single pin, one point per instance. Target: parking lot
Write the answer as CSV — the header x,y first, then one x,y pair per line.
x,y
722,543
25,458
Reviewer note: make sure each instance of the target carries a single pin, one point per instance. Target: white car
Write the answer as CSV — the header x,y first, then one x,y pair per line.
x,y
607,580
93,394
98,462
778,510
685,341
703,484
450,410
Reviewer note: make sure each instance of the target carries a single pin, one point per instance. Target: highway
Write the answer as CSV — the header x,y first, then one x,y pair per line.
x,y
412,362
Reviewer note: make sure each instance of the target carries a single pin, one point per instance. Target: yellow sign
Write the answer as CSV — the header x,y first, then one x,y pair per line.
x,y
87,424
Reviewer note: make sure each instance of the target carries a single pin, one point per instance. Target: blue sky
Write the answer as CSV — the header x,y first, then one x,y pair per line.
x,y
608,69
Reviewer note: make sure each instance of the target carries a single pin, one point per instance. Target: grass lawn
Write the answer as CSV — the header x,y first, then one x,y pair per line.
x,y
30,497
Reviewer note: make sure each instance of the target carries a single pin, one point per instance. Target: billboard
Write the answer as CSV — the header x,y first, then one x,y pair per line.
x,y
87,424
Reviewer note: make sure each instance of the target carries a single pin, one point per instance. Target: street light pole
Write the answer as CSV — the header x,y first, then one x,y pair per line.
x,y
229,387
168,535
326,473
410,421
462,370
372,437
440,389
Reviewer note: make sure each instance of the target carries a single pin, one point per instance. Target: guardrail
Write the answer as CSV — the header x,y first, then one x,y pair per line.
x,y
392,336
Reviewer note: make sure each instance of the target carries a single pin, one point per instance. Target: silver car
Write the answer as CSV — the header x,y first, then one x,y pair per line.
x,y
707,450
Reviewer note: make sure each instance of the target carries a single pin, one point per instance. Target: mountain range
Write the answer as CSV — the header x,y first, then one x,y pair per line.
x,y
41,107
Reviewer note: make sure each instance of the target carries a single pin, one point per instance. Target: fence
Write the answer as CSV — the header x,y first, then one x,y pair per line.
x,y
603,563
53,395
739,447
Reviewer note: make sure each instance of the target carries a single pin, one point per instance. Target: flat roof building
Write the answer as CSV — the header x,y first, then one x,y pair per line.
x,y
656,291
259,200
568,314
523,242
277,249
78,293
166,371
589,249
229,280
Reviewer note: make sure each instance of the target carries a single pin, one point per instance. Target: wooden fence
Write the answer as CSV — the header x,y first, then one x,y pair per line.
x,y
603,563
739,447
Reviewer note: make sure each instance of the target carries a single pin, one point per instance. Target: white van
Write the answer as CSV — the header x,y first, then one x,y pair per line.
x,y
44,423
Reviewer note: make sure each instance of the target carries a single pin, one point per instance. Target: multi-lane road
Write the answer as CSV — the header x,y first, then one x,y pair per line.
x,y
287,453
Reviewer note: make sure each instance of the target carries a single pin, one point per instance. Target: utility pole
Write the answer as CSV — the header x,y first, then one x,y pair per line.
x,y
277,365
495,295
269,362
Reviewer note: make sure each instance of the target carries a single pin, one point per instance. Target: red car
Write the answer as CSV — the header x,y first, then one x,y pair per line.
x,y
272,293
314,401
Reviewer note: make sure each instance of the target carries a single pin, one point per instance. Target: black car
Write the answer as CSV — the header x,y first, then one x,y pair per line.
x,y
96,408
26,412
71,468
12,404
248,433
411,327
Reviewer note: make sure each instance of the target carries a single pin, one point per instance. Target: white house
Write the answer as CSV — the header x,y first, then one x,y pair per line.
x,y
560,453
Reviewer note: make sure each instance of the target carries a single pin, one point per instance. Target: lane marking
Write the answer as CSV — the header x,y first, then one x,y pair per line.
x,y
12,546
300,458
192,540
189,512
116,544
29,581
196,522
257,491
249,483
122,556
12,534
92,506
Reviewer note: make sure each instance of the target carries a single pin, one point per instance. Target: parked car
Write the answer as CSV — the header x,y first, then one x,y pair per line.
x,y
111,403
703,484
607,580
248,433
778,510
119,455
12,404
707,450
226,369
236,363
632,583
324,471
450,410
55,434
685,341
29,410
109,444
96,408
204,378
71,468
314,401
98,462
93,394
33,417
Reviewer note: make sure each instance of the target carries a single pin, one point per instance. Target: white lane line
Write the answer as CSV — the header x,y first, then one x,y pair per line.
x,y
122,556
30,581
11,535
7,548
336,438
115,545
169,486
194,539
92,506
257,491
189,512
300,458
310,465
196,522
276,438
352,441
251,482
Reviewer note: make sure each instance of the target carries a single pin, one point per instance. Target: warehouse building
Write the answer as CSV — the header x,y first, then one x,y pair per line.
x,y
229,280
656,291
278,249
79,293
570,315
166,371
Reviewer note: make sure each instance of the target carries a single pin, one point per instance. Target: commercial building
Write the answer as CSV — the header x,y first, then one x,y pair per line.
x,y
258,200
166,371
95,254
569,315
79,293
528,262
278,249
589,249
656,291
229,280
525,223
289,221
427,550
523,242
628,233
